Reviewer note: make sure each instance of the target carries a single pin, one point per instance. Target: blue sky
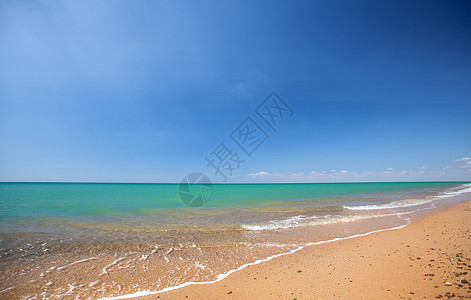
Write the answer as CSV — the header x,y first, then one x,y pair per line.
x,y
143,91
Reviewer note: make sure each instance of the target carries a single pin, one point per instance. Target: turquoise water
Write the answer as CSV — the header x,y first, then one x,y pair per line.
x,y
71,208
29,200
87,211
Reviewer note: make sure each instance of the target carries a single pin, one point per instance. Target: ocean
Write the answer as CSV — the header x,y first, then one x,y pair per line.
x,y
137,239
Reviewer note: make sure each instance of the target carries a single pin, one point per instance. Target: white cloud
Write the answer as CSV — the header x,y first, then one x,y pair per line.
x,y
261,173
301,176
417,174
464,159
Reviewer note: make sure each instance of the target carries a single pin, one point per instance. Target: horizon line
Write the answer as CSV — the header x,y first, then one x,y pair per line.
x,y
119,182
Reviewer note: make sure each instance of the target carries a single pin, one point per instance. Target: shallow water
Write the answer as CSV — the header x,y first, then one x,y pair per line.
x,y
99,240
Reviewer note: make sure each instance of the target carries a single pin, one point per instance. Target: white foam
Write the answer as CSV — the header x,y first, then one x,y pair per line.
x,y
76,262
91,284
224,275
105,269
278,245
462,189
7,289
312,221
200,265
303,221
299,221
392,205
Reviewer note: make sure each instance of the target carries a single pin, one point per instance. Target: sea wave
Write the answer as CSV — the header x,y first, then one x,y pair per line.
x,y
392,205
462,189
465,188
302,221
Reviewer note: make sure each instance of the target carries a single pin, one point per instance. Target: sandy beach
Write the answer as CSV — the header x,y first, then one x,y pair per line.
x,y
416,251
431,258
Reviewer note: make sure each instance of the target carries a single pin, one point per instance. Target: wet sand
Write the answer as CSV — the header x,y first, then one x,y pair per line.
x,y
431,258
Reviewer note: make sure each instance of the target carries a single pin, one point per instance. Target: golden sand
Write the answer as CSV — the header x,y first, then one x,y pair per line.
x,y
431,258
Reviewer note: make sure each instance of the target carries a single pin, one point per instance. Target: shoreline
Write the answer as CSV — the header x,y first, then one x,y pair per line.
x,y
387,248
139,270
257,262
